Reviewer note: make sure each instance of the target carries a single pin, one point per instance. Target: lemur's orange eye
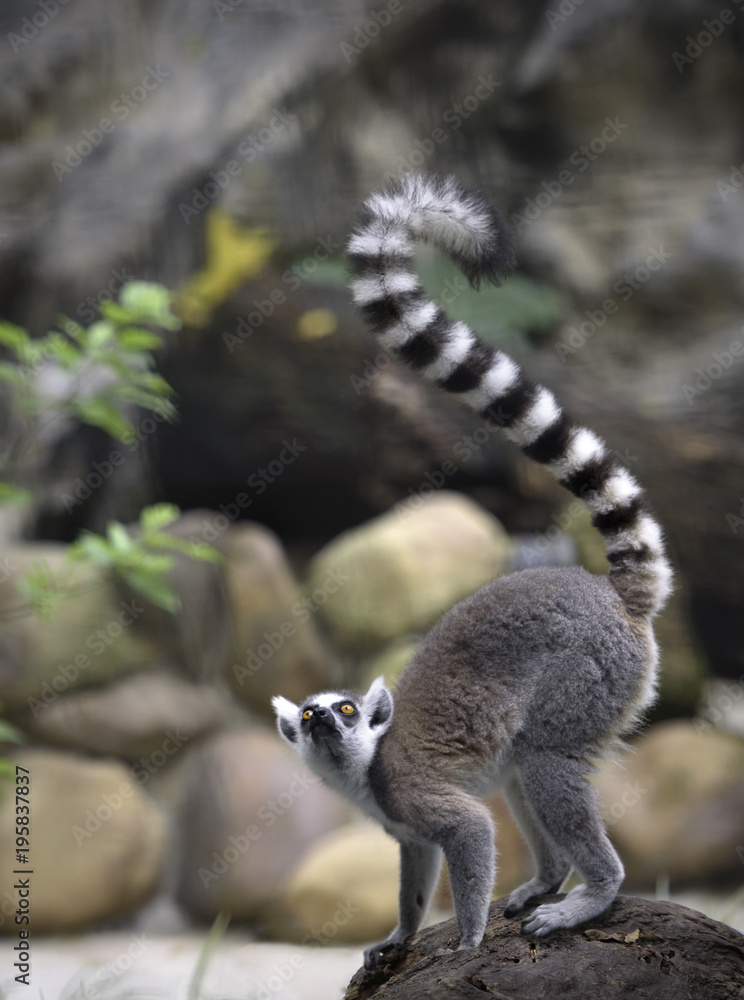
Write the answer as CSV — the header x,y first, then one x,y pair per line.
x,y
307,714
348,709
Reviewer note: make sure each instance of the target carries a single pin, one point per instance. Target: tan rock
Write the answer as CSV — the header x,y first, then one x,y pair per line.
x,y
135,717
251,810
97,842
676,805
277,646
399,572
89,638
346,888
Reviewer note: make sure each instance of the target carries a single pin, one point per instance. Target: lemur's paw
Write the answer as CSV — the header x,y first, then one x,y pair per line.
x,y
547,918
383,954
525,894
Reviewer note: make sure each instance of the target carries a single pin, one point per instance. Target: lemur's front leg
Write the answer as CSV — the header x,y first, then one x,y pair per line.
x,y
419,872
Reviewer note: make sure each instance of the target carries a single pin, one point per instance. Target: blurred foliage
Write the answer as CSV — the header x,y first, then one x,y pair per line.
x,y
499,313
235,254
113,355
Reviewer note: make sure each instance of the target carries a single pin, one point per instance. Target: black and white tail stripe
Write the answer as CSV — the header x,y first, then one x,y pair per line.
x,y
385,287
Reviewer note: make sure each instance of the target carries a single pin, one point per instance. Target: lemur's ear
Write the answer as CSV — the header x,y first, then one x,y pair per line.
x,y
287,718
378,705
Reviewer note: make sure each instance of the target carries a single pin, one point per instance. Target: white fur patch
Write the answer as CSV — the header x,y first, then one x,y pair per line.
x,y
372,289
645,532
415,319
618,491
543,412
454,350
499,377
584,446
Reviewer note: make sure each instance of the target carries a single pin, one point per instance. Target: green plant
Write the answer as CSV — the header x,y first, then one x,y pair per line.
x,y
101,372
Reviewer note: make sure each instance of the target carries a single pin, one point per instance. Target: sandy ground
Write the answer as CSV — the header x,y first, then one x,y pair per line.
x,y
141,966
138,967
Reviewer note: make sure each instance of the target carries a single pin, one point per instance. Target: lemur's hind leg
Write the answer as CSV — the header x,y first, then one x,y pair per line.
x,y
552,865
566,806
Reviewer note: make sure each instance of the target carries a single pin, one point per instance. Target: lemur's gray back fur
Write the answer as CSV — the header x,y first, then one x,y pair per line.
x,y
459,223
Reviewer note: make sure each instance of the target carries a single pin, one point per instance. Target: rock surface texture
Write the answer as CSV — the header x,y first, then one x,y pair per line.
x,y
638,948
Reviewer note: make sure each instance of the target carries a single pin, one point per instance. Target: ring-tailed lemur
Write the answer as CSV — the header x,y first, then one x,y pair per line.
x,y
523,683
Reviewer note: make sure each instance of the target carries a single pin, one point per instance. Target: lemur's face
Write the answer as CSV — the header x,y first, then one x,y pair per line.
x,y
336,732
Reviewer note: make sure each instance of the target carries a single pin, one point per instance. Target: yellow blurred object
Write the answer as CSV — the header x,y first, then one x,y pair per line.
x,y
316,323
234,254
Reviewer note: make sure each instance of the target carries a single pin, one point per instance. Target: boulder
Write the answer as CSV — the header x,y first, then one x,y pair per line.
x,y
90,638
278,649
135,717
251,810
639,947
345,890
401,571
675,807
196,638
97,842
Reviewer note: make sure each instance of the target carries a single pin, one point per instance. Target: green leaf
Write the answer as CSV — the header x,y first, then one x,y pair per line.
x,y
196,550
7,769
99,334
139,340
101,412
10,734
119,537
93,547
149,303
153,587
12,373
15,495
158,516
14,337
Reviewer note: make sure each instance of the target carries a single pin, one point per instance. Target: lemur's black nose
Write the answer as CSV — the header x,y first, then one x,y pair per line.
x,y
323,713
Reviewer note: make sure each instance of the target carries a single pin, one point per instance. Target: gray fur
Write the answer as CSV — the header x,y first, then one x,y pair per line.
x,y
528,681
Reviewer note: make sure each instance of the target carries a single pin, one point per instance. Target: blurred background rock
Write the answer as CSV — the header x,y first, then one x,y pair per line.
x,y
222,149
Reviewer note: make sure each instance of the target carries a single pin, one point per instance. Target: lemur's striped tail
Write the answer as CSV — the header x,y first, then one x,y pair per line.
x,y
462,225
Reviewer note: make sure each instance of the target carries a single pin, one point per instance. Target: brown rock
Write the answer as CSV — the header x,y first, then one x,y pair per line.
x,y
133,718
676,806
277,646
251,810
97,842
639,948
88,639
